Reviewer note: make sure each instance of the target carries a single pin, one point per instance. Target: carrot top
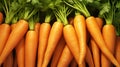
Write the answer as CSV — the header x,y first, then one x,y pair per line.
x,y
107,11
79,5
116,19
49,16
10,8
61,12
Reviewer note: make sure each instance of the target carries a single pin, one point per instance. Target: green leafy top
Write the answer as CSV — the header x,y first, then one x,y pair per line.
x,y
117,18
10,8
107,11
61,13
79,5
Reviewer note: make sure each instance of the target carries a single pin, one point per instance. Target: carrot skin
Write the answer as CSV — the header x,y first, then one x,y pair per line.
x,y
20,50
43,40
117,49
13,26
95,49
4,34
20,53
57,53
54,37
37,28
30,48
15,36
95,52
109,35
99,22
66,58
97,36
89,58
72,42
80,28
1,17
8,61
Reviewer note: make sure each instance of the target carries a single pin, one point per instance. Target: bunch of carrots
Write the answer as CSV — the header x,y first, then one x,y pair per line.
x,y
59,33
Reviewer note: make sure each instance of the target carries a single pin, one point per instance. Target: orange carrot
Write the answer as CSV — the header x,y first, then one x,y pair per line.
x,y
15,36
13,26
20,50
1,17
72,41
95,52
89,58
95,32
99,22
66,58
73,63
43,39
94,47
117,49
109,35
57,53
4,34
54,37
8,61
80,28
30,48
37,28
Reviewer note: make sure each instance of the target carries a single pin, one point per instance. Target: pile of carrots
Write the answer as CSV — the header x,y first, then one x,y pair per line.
x,y
63,33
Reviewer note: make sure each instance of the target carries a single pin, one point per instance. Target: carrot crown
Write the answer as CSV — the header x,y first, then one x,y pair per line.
x,y
107,12
10,8
49,16
79,5
61,13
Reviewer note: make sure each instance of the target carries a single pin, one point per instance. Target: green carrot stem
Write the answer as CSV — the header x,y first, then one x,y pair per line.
x,y
31,24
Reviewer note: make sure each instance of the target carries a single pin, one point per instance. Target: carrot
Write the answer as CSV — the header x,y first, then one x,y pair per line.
x,y
31,43
15,36
95,52
43,39
37,28
66,58
8,61
94,47
61,13
89,58
4,34
30,48
73,63
117,49
54,37
80,28
97,36
72,42
58,51
20,53
99,22
109,35
1,17
20,48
